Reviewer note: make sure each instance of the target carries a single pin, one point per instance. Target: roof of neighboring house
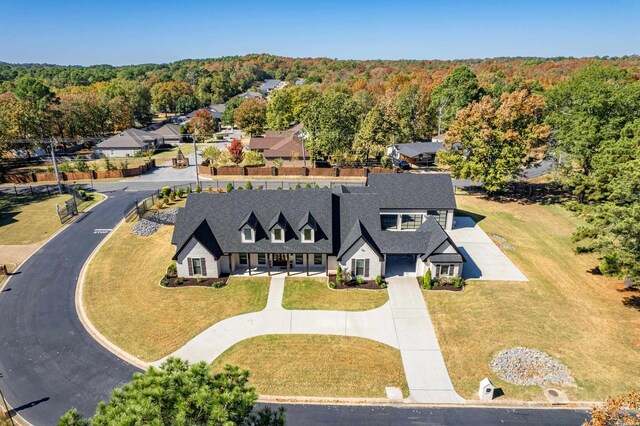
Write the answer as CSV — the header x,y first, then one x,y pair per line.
x,y
215,112
282,133
218,107
167,131
249,95
277,147
415,149
130,139
270,84
406,191
226,212
342,215
439,138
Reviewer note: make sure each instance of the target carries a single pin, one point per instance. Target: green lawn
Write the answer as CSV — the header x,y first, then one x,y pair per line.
x,y
126,304
312,365
314,293
564,309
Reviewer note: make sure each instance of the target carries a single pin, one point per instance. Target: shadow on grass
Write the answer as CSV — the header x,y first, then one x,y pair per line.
x,y
632,302
475,216
531,193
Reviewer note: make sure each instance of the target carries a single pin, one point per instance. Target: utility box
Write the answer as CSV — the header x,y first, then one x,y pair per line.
x,y
486,389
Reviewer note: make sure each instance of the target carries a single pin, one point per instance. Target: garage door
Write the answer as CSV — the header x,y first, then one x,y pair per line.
x,y
400,265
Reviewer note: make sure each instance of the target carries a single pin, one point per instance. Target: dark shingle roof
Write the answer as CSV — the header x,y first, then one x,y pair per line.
x,y
130,138
250,220
357,232
223,210
413,191
446,257
307,219
279,220
204,236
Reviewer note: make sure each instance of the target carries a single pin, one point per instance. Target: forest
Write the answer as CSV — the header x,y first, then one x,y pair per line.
x,y
499,114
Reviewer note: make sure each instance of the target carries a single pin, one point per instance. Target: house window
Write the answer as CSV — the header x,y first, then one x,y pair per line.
x,y
243,258
262,259
359,267
278,235
389,222
439,215
196,266
411,221
299,259
307,235
317,259
113,153
247,235
445,270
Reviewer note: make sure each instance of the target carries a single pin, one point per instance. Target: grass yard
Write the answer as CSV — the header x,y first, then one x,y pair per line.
x,y
126,304
564,309
27,220
314,293
312,365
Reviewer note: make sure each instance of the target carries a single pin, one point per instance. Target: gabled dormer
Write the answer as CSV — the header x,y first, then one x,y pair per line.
x,y
278,228
248,228
307,228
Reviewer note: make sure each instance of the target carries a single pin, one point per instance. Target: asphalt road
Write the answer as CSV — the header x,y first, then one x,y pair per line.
x,y
305,414
48,361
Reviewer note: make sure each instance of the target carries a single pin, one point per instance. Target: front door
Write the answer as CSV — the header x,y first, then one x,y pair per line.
x,y
279,259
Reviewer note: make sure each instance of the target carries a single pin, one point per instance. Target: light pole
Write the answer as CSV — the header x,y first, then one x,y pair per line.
x,y
55,165
195,154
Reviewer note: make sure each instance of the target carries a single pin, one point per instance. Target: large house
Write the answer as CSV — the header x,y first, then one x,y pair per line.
x,y
395,225
128,143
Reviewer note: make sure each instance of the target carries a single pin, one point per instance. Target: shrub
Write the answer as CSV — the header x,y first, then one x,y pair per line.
x,y
180,193
298,186
83,194
386,162
378,279
359,280
339,274
218,284
209,188
80,165
108,165
198,188
65,168
346,276
159,203
239,187
165,199
308,185
278,162
198,279
383,284
188,190
427,282
332,285
172,196
164,282
172,270
124,164
179,281
166,190
253,158
229,187
248,185
316,186
457,282
279,187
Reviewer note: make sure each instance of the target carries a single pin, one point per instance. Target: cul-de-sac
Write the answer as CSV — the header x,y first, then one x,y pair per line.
x,y
315,235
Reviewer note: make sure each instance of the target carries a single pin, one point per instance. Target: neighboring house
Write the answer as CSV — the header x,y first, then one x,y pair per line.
x,y
271,84
127,143
279,143
418,153
167,134
251,95
216,110
393,226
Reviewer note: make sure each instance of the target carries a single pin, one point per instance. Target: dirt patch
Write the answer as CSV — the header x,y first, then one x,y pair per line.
x,y
367,285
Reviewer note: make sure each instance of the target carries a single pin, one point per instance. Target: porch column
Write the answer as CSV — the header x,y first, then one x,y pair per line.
x,y
326,265
229,259
249,262
307,264
288,265
268,264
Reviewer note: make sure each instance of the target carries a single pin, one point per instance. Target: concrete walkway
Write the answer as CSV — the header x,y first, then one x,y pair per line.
x,y
402,323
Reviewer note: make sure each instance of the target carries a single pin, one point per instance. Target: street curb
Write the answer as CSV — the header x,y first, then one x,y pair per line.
x,y
84,319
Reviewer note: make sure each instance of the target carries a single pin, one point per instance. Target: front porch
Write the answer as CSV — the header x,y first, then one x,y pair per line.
x,y
263,271
288,264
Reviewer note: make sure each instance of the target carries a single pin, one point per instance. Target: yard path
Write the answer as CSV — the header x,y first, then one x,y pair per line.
x,y
402,323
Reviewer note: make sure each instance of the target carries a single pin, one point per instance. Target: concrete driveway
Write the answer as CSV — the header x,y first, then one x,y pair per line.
x,y
166,173
484,260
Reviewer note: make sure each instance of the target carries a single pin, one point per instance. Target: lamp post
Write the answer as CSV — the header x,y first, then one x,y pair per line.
x,y
195,154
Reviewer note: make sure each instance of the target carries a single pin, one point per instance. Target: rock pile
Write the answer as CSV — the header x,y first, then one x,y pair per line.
x,y
150,224
524,366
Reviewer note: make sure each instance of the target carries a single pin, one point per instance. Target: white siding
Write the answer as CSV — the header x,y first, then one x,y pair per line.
x,y
445,247
449,219
362,250
119,152
197,250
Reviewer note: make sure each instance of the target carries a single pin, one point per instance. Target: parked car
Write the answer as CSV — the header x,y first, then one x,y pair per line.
x,y
401,164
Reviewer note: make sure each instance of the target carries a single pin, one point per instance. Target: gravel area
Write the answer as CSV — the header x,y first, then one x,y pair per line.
x,y
524,366
151,223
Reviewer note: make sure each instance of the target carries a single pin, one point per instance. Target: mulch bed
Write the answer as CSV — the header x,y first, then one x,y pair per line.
x,y
447,288
191,282
367,285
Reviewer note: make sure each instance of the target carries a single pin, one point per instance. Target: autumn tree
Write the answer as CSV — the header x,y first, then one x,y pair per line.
x,y
229,111
37,98
374,134
459,89
251,116
620,410
491,141
235,150
179,393
202,125
411,110
165,95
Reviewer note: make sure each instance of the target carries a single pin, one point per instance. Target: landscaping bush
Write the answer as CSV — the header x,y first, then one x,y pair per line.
x,y
457,282
379,280
308,185
279,187
359,280
218,284
172,196
339,274
172,270
198,188
159,203
198,279
248,185
278,162
164,282
188,190
165,199
229,187
346,276
298,186
166,190
239,187
108,165
180,193
427,282
386,162
332,285
179,281
83,194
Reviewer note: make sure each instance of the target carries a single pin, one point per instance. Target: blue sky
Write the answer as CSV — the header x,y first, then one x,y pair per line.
x,y
130,32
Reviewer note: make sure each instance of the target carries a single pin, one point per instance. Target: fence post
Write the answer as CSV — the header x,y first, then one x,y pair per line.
x,y
15,189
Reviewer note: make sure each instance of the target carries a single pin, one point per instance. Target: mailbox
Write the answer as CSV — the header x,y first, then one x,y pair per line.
x,y
486,389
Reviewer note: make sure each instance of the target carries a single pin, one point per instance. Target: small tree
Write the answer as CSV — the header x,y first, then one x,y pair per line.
x,y
298,186
235,150
426,280
248,185
198,188
172,196
229,187
308,185
165,199
278,162
80,165
108,165
339,274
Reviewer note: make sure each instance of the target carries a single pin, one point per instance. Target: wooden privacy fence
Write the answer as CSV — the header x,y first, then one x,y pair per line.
x,y
291,171
31,177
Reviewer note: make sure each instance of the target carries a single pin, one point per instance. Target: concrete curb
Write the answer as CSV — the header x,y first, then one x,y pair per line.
x,y
84,319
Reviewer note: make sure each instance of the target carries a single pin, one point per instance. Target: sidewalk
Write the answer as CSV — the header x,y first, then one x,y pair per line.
x,y
402,323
